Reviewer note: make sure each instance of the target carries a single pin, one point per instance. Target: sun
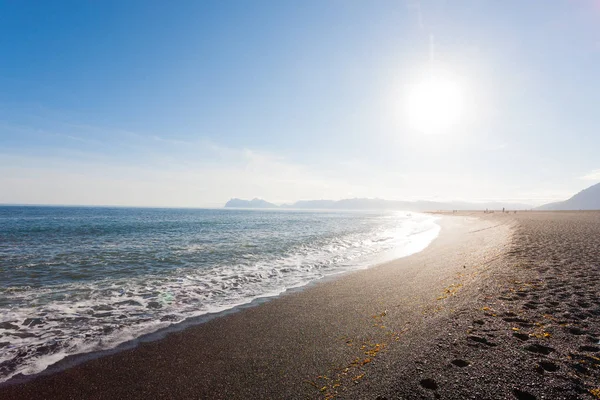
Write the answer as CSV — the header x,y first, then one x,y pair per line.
x,y
434,104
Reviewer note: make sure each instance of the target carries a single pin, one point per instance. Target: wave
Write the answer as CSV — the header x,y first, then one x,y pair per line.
x,y
42,325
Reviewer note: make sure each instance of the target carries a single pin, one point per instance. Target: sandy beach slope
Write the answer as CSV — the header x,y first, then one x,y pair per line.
x,y
498,306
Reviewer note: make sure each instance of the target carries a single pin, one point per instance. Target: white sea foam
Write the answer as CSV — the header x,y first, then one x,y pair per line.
x,y
55,321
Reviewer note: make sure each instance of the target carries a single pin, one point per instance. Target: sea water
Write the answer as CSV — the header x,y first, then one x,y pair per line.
x,y
82,279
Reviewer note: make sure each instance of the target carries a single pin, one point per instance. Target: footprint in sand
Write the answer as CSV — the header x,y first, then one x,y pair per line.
x,y
516,319
460,363
523,395
576,331
591,349
482,340
548,366
583,304
429,383
593,339
580,368
521,336
539,349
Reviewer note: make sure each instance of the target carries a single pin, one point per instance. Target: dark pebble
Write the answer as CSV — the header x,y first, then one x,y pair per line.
x,y
102,314
129,303
154,304
103,307
23,335
8,325
32,321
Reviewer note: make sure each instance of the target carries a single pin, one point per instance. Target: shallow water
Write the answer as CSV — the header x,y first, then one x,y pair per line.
x,y
76,279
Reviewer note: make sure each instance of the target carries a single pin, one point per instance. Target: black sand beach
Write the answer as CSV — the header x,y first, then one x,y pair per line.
x,y
498,306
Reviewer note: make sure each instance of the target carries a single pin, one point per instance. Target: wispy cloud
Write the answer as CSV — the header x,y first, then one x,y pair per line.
x,y
496,147
592,176
416,4
210,180
121,167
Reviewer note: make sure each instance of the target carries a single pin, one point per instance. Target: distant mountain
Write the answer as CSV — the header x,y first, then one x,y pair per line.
x,y
254,203
380,204
587,199
376,204
311,204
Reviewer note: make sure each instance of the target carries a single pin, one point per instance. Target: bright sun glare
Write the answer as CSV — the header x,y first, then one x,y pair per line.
x,y
434,104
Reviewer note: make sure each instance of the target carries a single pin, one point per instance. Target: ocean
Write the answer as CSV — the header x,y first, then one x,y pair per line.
x,y
75,280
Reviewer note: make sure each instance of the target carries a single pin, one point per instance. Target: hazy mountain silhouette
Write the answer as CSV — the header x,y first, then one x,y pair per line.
x,y
377,204
587,199
311,204
254,203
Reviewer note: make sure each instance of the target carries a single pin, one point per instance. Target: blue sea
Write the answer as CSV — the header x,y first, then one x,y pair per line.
x,y
81,279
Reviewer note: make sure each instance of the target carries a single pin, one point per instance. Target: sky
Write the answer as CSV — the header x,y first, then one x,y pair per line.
x,y
191,103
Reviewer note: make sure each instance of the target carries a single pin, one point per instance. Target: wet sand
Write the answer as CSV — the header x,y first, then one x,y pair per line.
x,y
498,306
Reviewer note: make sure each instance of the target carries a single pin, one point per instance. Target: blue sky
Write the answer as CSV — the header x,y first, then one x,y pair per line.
x,y
191,103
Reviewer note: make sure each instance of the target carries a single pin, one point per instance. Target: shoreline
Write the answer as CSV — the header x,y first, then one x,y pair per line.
x,y
496,307
259,318
73,360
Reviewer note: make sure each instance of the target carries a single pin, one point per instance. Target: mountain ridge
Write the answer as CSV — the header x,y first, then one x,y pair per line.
x,y
587,199
375,204
254,203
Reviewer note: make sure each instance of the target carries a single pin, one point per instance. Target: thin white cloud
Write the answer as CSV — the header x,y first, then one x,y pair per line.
x,y
227,173
496,147
416,4
166,182
592,176
153,170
